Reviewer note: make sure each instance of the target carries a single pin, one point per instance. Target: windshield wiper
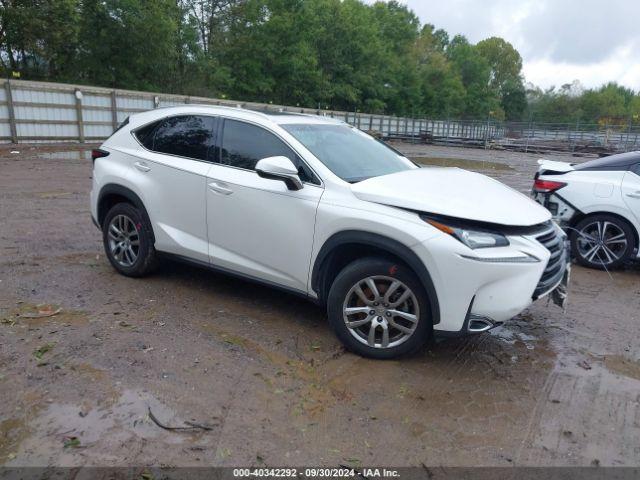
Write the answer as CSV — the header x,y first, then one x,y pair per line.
x,y
357,179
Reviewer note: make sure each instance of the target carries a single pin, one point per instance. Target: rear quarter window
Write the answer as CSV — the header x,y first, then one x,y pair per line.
x,y
145,135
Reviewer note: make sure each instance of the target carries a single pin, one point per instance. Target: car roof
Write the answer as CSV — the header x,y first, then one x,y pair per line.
x,y
279,117
620,161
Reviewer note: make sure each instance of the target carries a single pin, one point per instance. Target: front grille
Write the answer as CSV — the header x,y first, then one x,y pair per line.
x,y
554,241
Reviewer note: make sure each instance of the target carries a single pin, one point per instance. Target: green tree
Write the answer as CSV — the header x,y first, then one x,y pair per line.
x,y
338,54
506,74
39,37
442,92
129,43
475,71
611,102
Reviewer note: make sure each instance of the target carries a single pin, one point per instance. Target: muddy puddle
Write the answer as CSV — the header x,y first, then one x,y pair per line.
x,y
461,163
66,154
47,152
511,337
73,428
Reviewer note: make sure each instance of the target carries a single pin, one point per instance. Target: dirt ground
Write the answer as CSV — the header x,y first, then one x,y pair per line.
x,y
261,370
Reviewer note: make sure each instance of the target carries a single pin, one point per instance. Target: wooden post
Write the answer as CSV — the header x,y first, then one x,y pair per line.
x,y
78,95
12,115
114,110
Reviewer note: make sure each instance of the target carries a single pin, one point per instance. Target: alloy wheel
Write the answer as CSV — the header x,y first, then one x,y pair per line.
x,y
381,312
602,242
124,240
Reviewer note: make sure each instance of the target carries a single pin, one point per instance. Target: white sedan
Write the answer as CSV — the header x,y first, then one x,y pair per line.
x,y
598,203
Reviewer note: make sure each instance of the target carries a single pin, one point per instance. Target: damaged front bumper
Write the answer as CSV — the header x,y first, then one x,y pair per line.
x,y
559,294
556,272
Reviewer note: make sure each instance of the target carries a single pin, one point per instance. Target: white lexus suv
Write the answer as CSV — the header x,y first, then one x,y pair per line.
x,y
314,206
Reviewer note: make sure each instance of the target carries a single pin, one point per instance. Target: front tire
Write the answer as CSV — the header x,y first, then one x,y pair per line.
x,y
602,241
127,238
379,309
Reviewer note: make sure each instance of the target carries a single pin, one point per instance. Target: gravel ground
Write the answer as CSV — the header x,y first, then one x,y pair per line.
x,y
262,372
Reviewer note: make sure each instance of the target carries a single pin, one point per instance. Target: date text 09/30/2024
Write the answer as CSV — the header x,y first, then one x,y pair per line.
x,y
316,472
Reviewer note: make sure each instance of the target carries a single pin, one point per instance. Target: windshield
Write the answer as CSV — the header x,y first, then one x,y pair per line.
x,y
349,153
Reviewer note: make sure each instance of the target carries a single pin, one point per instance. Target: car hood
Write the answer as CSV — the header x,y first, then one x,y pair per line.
x,y
453,192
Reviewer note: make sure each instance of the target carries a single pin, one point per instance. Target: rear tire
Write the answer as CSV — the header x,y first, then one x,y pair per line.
x,y
602,241
379,309
128,241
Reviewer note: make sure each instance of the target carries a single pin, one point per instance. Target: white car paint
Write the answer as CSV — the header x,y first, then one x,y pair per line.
x,y
260,228
447,191
589,192
630,189
233,219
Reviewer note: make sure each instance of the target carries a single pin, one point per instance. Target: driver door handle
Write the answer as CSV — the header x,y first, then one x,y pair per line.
x,y
220,188
143,167
634,194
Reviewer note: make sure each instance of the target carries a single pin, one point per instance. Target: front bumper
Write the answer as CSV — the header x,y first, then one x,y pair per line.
x,y
555,241
480,289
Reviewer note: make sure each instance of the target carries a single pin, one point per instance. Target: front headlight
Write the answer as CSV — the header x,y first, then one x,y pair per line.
x,y
472,238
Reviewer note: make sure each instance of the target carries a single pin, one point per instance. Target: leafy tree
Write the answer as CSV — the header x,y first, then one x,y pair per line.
x,y
338,54
39,37
475,72
129,43
506,74
442,91
610,102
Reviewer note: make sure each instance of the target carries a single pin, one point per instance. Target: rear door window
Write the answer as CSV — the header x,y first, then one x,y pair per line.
x,y
190,136
243,144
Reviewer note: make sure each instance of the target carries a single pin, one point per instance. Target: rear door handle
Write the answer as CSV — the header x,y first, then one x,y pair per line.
x,y
143,167
634,194
221,188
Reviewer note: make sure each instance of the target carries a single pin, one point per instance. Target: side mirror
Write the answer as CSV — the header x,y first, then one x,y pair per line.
x,y
280,168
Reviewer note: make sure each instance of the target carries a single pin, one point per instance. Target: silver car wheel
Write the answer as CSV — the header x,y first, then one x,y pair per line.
x,y
124,240
381,312
602,242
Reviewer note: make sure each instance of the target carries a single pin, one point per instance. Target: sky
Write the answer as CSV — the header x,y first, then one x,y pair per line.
x,y
593,41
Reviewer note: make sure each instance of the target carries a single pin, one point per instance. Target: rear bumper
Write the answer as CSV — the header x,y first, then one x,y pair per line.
x,y
93,202
562,211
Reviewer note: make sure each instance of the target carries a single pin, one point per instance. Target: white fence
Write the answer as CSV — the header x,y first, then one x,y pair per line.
x,y
55,112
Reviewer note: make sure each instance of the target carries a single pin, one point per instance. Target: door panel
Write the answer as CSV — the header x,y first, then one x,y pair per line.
x,y
175,199
259,228
631,192
174,186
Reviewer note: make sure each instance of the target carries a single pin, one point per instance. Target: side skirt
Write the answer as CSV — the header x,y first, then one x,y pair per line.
x,y
233,273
